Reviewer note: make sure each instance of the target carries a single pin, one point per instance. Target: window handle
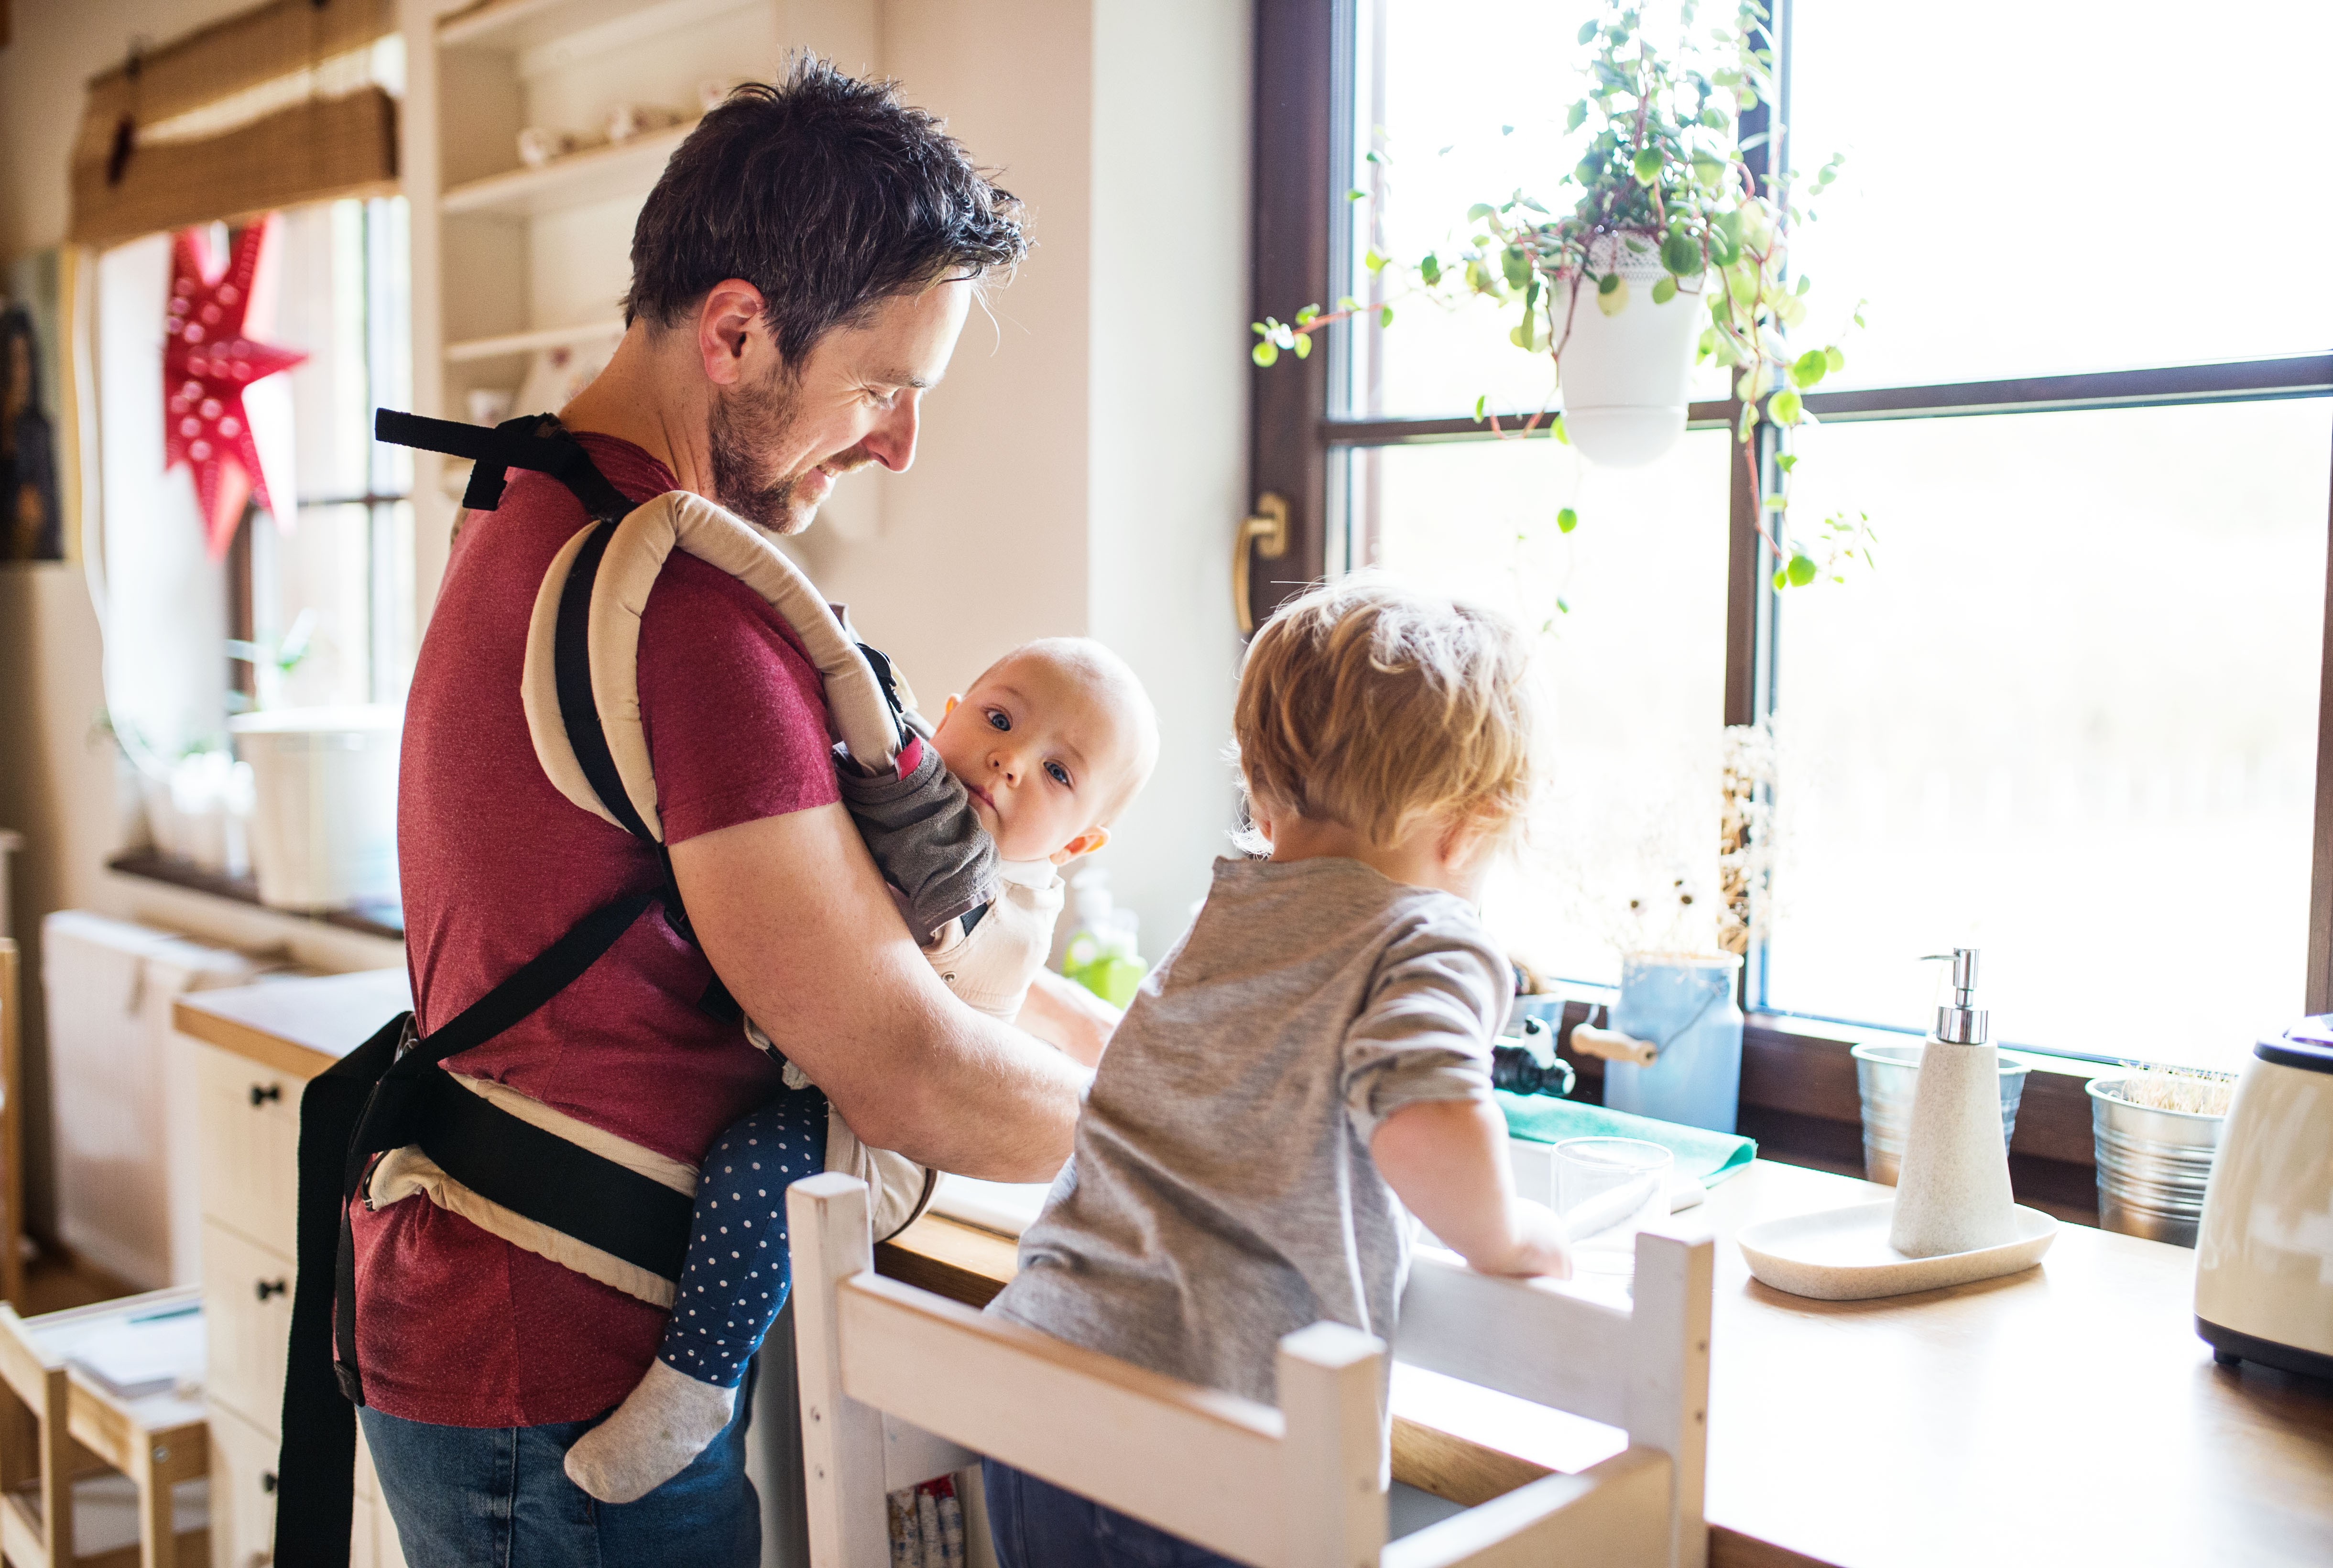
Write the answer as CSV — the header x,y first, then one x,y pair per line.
x,y
264,1288
1265,533
261,1094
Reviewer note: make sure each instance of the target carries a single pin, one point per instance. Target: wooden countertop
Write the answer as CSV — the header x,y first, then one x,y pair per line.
x,y
296,1025
2064,1416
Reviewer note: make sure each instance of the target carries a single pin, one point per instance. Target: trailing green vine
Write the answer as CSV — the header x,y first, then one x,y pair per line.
x,y
1663,172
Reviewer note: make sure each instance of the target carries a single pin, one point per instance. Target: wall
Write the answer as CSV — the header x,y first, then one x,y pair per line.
x,y
1166,400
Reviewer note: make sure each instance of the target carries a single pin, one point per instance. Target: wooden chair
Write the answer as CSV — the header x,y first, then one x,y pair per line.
x,y
898,1384
64,1426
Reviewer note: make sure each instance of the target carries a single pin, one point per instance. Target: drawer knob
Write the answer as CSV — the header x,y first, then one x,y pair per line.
x,y
261,1094
266,1481
268,1287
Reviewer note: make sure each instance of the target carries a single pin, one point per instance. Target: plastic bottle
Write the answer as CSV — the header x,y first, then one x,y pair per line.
x,y
1953,1193
1101,955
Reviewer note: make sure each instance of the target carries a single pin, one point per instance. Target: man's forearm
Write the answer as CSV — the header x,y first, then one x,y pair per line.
x,y
797,924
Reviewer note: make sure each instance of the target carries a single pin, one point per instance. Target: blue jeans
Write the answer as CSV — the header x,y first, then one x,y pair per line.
x,y
1036,1525
497,1498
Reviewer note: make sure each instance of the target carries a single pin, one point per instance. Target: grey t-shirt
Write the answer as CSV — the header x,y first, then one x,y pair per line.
x,y
1221,1194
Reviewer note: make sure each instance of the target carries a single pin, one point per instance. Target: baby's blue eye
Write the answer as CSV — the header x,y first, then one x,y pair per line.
x,y
999,719
1058,773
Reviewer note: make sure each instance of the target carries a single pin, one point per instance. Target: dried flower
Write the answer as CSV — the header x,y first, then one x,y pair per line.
x,y
2191,1089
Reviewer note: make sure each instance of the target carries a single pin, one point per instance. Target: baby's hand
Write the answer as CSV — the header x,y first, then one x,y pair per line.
x,y
1541,1246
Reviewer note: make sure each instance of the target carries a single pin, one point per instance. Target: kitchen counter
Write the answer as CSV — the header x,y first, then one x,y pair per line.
x,y
2066,1416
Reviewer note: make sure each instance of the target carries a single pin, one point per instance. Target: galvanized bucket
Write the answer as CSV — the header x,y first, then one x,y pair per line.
x,y
1887,1075
2153,1166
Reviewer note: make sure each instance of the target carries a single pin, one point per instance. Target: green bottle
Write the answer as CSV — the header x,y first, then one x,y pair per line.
x,y
1100,955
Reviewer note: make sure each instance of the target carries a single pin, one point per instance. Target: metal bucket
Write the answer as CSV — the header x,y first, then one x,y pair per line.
x,y
1887,1075
2153,1166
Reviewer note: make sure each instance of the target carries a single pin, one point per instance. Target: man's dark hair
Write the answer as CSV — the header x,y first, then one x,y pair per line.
x,y
827,193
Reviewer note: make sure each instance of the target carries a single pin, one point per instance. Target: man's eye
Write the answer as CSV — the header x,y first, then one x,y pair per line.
x,y
999,719
1058,773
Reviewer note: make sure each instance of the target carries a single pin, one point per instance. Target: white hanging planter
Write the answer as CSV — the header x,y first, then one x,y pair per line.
x,y
1625,375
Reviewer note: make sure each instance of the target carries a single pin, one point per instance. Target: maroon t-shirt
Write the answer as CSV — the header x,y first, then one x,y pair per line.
x,y
455,1326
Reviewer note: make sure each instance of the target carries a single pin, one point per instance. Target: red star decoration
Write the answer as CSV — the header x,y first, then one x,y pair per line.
x,y
207,363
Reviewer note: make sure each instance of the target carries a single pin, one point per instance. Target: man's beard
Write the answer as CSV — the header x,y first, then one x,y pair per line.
x,y
744,425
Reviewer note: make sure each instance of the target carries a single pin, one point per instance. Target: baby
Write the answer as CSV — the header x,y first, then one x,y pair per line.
x,y
1049,745
1313,1058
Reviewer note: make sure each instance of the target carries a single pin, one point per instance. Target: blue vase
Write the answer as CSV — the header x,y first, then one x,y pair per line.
x,y
1685,1006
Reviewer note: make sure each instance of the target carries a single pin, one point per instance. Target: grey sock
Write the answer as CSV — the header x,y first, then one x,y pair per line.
x,y
651,1436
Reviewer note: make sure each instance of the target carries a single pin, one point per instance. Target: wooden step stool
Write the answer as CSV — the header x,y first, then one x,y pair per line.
x,y
63,1425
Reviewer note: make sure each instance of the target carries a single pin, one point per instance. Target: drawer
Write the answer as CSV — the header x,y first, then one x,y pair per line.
x,y
242,1501
242,1492
249,1330
248,1147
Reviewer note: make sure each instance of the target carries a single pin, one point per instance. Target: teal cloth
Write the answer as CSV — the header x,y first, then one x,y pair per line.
x,y
1710,1156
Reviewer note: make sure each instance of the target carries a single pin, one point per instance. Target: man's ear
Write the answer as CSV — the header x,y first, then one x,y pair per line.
x,y
730,330
1085,843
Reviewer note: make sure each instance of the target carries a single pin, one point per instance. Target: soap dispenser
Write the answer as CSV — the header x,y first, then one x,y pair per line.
x,y
1952,1193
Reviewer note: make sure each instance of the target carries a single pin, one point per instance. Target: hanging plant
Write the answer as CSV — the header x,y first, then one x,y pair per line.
x,y
1669,255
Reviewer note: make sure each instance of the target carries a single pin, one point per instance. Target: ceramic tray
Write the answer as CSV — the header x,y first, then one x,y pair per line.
x,y
1842,1254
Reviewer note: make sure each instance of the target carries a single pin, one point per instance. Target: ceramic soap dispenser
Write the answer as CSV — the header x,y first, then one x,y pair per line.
x,y
1952,1193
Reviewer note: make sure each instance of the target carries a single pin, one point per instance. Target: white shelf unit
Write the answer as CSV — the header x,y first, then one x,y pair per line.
x,y
528,343
508,260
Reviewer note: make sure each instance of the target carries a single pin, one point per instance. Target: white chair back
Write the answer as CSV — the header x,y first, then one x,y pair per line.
x,y
899,1385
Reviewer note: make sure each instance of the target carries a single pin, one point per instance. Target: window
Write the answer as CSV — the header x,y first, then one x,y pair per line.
x,y
332,596
319,613
2072,715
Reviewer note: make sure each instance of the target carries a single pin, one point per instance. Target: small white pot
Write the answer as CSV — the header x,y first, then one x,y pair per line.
x,y
1625,376
323,825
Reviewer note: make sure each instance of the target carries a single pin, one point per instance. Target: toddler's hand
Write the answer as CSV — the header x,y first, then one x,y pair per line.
x,y
1541,1246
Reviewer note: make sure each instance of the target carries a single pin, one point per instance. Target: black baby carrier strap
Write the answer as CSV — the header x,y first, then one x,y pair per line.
x,y
390,1091
388,1094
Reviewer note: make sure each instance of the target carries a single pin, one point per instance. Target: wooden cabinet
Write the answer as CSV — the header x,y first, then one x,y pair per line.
x,y
243,1490
248,1147
247,1139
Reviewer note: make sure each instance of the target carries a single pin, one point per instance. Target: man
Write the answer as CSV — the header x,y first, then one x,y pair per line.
x,y
801,274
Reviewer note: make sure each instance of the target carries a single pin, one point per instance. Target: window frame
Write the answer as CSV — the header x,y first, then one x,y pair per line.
x,y
1305,63
388,483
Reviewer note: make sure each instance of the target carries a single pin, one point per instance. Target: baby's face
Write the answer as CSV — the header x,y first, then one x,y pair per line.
x,y
1044,754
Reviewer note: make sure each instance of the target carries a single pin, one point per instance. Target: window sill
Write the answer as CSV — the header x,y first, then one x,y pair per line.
x,y
371,919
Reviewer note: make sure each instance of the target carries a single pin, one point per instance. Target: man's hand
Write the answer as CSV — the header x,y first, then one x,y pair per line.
x,y
1062,1012
797,925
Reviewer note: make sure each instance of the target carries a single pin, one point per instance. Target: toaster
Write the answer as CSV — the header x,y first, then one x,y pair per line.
x,y
2264,1255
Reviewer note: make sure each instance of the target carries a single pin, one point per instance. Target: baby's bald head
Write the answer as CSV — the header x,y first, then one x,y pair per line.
x,y
1054,740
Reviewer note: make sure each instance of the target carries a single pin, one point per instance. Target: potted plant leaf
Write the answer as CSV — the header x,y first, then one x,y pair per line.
x,y
1670,252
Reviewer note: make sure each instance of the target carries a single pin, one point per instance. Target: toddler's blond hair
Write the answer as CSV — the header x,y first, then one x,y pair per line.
x,y
1368,704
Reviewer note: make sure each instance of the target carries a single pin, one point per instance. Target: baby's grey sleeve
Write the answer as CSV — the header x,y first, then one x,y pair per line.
x,y
923,837
1424,1034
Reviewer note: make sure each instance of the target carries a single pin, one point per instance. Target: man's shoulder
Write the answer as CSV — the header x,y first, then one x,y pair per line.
x,y
695,602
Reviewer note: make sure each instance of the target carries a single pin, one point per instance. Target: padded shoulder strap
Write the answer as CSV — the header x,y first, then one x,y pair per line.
x,y
626,571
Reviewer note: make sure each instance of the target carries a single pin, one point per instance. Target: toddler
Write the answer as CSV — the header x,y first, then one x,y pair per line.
x,y
1311,1065
1049,745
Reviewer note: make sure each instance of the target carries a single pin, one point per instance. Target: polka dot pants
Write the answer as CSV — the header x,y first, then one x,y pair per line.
x,y
735,1278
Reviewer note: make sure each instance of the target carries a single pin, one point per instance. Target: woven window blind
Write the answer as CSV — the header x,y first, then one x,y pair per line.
x,y
274,106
